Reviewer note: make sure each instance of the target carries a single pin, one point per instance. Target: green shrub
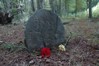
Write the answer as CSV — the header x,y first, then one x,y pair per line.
x,y
96,10
12,47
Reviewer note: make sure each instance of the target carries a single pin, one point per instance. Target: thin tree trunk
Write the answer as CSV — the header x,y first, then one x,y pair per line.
x,y
90,8
39,4
67,7
32,5
59,10
76,8
52,5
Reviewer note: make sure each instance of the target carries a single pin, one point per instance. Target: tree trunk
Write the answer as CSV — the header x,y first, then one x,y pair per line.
x,y
53,5
39,4
90,8
66,7
59,10
76,8
32,5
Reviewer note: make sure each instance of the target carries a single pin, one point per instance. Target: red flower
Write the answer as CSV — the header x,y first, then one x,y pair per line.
x,y
45,52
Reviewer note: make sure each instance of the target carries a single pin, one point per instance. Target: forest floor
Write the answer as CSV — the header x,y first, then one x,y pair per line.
x,y
82,48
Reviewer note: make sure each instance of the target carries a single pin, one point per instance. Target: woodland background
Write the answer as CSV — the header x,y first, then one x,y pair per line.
x,y
80,17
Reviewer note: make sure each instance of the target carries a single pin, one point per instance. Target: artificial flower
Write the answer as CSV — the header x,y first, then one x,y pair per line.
x,y
45,52
62,47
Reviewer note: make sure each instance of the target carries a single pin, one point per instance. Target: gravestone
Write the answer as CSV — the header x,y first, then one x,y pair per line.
x,y
44,28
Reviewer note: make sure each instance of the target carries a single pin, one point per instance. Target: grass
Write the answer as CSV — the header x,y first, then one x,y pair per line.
x,y
12,47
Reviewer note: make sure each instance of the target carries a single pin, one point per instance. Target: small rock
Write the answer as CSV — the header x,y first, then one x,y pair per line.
x,y
48,60
1,42
31,62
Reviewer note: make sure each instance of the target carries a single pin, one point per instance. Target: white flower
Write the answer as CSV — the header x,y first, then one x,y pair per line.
x,y
62,47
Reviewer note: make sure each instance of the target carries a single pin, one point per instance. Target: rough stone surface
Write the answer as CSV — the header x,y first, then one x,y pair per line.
x,y
43,28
